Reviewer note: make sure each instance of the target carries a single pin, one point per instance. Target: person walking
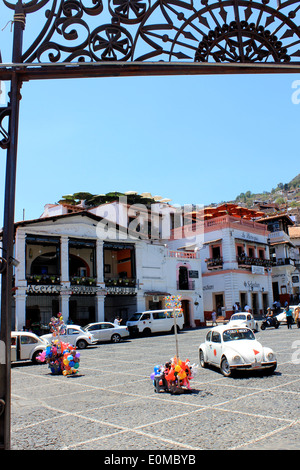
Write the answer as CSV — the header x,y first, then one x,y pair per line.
x,y
214,318
289,316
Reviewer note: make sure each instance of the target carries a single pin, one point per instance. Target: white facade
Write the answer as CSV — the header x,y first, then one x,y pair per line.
x,y
121,276
227,276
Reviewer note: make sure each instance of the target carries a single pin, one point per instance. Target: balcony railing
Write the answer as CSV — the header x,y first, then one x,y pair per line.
x,y
214,263
284,262
183,254
189,285
249,261
83,281
120,282
42,279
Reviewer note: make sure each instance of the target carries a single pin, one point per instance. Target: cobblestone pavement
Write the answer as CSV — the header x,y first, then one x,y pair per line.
x,y
111,403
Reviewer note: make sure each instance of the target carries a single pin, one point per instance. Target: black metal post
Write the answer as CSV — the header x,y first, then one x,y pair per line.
x,y
8,236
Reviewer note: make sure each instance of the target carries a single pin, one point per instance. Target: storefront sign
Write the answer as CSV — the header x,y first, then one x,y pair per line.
x,y
252,285
258,270
48,289
121,290
249,237
83,290
208,287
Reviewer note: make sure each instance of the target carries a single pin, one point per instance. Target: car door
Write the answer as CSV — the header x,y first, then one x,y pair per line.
x,y
250,321
107,330
159,321
27,343
70,336
94,330
145,322
14,340
215,348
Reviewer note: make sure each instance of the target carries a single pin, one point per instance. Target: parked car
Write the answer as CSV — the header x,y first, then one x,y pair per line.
x,y
26,346
242,319
155,321
233,349
106,331
75,335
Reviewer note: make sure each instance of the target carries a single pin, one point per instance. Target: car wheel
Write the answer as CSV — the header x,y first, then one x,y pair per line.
x,y
81,344
147,332
225,368
115,338
201,359
34,357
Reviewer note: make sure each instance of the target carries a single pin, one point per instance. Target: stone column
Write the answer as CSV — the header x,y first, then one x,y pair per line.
x,y
64,277
20,308
64,261
100,302
20,281
64,305
99,263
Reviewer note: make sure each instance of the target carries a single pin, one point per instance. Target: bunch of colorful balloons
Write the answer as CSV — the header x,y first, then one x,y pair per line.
x,y
61,358
57,325
173,301
70,361
175,373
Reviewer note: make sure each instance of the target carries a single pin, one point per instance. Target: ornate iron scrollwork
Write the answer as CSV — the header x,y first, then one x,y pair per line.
x,y
4,143
265,31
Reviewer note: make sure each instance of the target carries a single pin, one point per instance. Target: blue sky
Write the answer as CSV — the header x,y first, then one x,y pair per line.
x,y
193,139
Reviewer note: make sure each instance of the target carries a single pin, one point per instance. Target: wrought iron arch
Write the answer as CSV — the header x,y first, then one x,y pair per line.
x,y
233,31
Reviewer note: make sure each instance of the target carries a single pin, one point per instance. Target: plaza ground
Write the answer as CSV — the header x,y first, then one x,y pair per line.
x,y
111,403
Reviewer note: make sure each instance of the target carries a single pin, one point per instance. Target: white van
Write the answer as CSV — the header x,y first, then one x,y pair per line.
x,y
155,321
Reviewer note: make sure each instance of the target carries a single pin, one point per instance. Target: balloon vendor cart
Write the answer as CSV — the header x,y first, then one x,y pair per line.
x,y
61,357
174,377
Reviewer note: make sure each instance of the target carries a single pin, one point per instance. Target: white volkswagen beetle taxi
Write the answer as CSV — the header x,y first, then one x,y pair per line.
x,y
243,319
26,346
232,348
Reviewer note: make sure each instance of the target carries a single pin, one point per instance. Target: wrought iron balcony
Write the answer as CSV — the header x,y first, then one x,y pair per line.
x,y
247,261
120,282
83,281
189,285
284,262
43,279
214,263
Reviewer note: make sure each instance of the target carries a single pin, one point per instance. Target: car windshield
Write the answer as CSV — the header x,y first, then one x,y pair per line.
x,y
135,317
237,334
238,317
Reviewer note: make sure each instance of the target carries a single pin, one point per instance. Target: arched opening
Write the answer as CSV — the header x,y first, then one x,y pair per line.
x,y
78,266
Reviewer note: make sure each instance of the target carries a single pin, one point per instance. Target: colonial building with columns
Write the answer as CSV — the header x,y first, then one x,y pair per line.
x,y
90,270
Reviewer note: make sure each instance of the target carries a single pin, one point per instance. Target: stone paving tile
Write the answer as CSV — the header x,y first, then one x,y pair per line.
x,y
130,441
284,438
149,411
213,429
266,404
57,433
